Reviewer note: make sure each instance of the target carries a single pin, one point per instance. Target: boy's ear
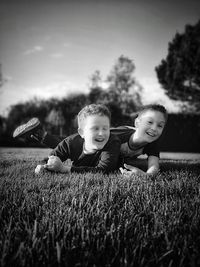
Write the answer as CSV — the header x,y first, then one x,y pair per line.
x,y
80,131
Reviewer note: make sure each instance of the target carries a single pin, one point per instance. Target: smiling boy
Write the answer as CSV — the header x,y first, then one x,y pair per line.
x,y
143,139
92,149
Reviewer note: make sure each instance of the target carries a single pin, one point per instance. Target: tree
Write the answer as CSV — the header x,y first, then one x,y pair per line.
x,y
95,80
179,73
56,119
70,106
123,88
121,76
22,112
96,94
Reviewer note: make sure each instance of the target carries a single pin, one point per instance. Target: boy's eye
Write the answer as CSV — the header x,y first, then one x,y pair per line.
x,y
94,128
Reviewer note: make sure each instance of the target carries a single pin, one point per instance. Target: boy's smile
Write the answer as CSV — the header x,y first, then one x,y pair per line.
x,y
99,140
151,134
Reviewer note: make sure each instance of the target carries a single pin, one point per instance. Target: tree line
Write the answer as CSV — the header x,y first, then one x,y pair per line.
x,y
178,74
122,96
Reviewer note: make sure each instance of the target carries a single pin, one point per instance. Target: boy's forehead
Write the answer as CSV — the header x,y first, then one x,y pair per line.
x,y
96,119
152,113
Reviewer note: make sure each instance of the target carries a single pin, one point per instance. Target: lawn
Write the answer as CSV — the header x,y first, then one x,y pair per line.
x,y
95,220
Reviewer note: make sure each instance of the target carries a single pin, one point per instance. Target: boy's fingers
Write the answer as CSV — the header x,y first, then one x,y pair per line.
x,y
51,157
129,167
49,167
124,172
121,169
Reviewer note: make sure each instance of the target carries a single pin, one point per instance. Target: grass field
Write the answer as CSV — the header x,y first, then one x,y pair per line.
x,y
95,220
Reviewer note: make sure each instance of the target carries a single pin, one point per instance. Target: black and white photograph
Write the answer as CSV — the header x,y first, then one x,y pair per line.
x,y
99,133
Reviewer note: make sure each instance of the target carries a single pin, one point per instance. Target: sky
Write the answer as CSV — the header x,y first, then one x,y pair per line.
x,y
50,48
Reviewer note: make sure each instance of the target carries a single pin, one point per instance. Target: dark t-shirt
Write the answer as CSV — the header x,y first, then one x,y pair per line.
x,y
124,133
105,160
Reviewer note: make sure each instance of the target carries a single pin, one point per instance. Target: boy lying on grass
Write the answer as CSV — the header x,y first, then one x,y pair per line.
x,y
134,141
92,149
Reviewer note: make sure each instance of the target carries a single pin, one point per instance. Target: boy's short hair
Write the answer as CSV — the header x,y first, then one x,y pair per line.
x,y
154,107
93,109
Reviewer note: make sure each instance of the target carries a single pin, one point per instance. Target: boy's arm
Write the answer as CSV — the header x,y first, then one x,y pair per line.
x,y
153,165
62,150
108,159
57,156
152,170
55,164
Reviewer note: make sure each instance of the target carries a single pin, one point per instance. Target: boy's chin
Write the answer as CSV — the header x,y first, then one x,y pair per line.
x,y
151,138
99,146
95,148
154,138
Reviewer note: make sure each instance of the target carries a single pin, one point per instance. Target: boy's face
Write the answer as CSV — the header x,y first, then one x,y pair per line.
x,y
150,125
95,131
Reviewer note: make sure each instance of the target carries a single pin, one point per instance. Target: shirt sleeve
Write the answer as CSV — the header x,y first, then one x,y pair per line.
x,y
62,150
70,148
107,159
123,132
152,149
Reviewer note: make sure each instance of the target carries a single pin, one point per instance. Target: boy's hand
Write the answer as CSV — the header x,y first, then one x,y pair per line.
x,y
130,170
39,169
55,164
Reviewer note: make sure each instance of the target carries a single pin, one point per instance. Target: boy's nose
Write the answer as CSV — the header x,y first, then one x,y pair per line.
x,y
154,127
100,132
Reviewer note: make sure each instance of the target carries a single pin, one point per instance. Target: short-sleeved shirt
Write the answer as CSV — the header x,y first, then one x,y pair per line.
x,y
105,160
126,152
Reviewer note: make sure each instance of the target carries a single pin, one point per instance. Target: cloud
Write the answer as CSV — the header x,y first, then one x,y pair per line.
x,y
57,55
67,45
153,93
33,50
55,89
12,95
